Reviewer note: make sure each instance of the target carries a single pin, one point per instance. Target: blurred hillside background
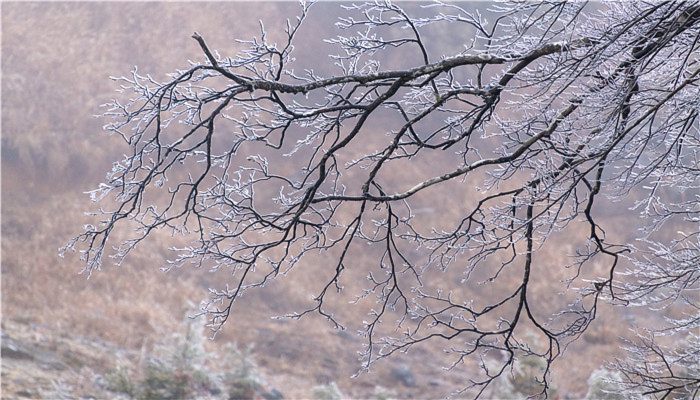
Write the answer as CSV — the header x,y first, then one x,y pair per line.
x,y
65,335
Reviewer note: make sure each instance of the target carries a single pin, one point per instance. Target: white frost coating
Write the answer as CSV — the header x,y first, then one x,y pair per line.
x,y
541,121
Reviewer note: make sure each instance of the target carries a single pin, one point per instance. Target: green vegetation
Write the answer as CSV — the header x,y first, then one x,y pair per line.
x,y
242,380
603,384
180,368
526,378
524,381
327,392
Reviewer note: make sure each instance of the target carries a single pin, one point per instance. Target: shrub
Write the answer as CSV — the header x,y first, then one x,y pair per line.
x,y
327,392
175,370
119,380
178,369
525,379
241,379
381,393
604,384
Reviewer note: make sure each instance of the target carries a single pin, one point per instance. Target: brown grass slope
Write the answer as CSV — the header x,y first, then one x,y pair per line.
x,y
56,60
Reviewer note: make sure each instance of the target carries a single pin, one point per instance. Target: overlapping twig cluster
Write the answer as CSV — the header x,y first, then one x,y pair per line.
x,y
555,108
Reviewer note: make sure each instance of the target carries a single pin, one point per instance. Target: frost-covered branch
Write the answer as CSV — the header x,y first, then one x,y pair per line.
x,y
552,112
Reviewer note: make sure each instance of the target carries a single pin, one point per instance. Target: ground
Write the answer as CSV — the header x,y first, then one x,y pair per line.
x,y
63,333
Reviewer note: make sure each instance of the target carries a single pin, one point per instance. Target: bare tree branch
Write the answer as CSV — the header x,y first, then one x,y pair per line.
x,y
556,109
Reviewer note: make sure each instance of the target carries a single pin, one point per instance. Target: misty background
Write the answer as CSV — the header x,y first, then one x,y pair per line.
x,y
56,62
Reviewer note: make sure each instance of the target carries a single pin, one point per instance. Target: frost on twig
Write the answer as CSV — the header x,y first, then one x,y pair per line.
x,y
550,112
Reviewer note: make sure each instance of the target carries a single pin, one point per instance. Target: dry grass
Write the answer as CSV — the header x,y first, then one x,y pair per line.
x,y
56,60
